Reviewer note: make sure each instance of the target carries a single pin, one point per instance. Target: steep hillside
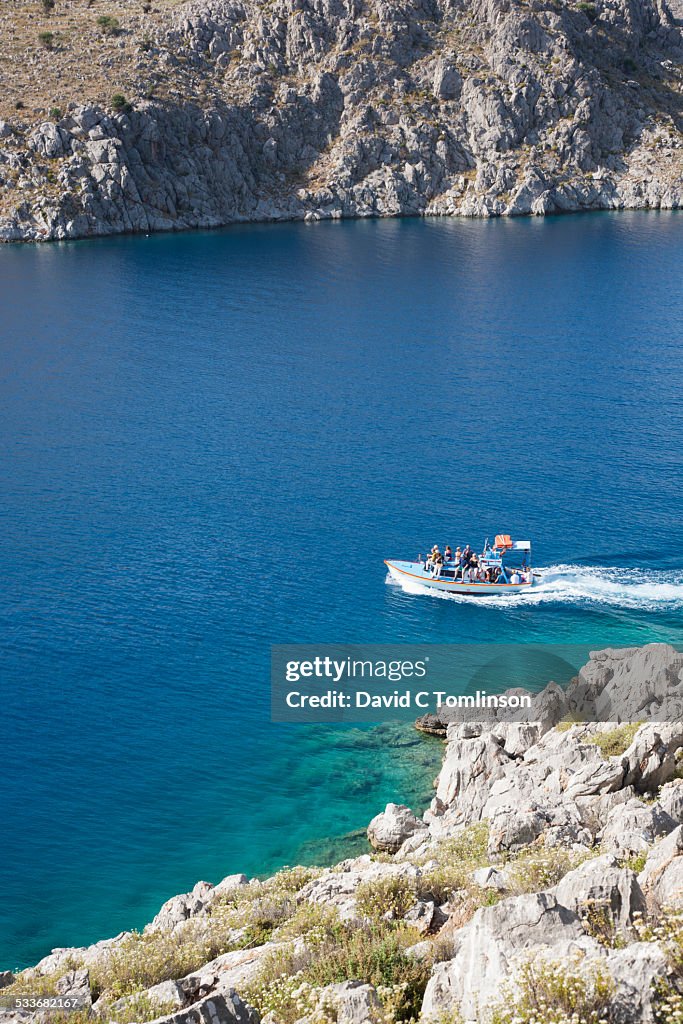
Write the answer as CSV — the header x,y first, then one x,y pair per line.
x,y
122,116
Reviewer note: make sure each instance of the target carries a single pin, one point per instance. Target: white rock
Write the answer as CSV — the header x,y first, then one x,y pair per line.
x,y
390,829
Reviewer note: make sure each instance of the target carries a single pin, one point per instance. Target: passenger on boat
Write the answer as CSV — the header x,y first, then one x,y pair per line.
x,y
437,562
474,567
448,554
515,578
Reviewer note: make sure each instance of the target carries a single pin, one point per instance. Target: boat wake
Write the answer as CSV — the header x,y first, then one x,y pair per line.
x,y
641,589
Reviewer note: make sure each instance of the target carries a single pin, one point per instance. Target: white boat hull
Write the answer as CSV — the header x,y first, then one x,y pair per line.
x,y
414,572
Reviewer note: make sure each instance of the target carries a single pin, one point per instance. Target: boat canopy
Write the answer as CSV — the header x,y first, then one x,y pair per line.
x,y
521,545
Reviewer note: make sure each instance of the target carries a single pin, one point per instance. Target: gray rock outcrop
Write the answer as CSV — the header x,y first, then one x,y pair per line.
x,y
319,109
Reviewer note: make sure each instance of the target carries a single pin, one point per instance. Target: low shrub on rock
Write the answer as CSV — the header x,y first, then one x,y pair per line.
x,y
615,741
377,897
557,992
541,868
146,959
374,954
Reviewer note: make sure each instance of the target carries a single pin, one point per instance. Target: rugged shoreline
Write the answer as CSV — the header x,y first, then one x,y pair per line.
x,y
327,109
544,884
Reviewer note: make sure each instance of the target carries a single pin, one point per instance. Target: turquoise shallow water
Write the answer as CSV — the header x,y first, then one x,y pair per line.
x,y
211,441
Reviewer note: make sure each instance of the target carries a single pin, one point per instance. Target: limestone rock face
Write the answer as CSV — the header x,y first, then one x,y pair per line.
x,y
180,908
635,970
222,1007
353,1002
471,765
337,887
671,799
390,829
601,887
488,946
632,827
662,876
546,801
311,110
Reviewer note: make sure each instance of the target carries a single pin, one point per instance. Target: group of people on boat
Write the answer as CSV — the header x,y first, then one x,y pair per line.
x,y
469,566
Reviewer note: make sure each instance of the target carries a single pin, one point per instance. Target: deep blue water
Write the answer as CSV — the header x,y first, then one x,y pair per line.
x,y
211,441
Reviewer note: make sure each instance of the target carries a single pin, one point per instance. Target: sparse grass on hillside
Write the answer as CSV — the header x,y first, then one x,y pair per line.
x,y
42,76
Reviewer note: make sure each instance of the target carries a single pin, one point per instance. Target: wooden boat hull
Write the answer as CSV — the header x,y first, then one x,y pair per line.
x,y
414,572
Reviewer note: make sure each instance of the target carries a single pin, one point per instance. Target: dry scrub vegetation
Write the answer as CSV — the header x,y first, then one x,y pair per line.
x,y
78,51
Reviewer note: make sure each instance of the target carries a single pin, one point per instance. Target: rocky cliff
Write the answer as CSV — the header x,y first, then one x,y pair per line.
x,y
543,886
238,110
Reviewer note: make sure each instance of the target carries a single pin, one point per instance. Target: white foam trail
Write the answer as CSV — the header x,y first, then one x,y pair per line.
x,y
642,589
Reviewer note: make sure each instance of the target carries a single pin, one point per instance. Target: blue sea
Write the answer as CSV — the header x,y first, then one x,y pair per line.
x,y
211,441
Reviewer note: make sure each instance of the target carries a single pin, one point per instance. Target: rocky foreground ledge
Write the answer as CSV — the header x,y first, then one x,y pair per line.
x,y
543,886
240,110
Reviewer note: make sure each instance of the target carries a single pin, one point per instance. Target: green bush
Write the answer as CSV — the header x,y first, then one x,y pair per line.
x,y
108,25
46,39
55,113
48,6
381,896
616,741
120,104
590,10
376,956
288,979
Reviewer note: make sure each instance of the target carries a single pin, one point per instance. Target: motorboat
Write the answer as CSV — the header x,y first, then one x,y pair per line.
x,y
504,568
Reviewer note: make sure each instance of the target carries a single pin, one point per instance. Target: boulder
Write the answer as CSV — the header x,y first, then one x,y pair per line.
x,y
671,799
227,971
487,947
221,1007
662,875
229,884
353,1002
471,765
179,909
635,970
511,829
6,978
490,878
425,916
390,829
447,82
631,828
517,737
650,761
599,891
